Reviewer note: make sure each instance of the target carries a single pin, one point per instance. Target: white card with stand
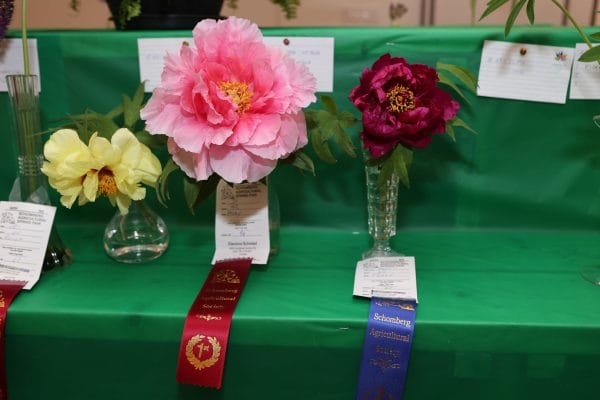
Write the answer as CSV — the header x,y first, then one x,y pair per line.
x,y
242,222
314,52
585,81
24,233
390,277
522,71
11,60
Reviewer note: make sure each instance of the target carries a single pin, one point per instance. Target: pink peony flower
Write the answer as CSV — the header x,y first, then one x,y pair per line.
x,y
230,105
400,103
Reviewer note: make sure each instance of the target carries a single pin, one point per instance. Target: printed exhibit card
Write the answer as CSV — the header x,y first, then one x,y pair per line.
x,y
314,52
242,222
585,81
389,277
11,60
524,71
24,233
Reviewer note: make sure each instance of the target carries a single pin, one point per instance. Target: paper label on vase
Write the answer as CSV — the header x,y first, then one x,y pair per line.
x,y
524,71
11,60
585,80
24,233
242,222
389,277
314,52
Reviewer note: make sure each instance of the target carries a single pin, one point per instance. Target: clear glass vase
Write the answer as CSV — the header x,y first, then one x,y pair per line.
x,y
274,218
136,237
382,206
31,184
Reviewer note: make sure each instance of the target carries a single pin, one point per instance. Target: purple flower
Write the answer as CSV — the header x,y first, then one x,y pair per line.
x,y
400,104
6,12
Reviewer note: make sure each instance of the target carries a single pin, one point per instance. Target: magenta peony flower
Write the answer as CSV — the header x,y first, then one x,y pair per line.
x,y
400,103
230,104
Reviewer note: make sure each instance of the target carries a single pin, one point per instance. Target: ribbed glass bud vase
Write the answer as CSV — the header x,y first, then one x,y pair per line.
x,y
382,206
32,185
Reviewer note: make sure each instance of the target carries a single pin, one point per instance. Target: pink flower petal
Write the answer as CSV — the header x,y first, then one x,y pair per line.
x,y
235,164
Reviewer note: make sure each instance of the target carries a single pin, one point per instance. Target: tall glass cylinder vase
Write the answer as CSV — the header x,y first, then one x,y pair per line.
x,y
382,206
31,185
274,218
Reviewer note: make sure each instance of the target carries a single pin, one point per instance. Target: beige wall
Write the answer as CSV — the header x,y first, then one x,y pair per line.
x,y
55,14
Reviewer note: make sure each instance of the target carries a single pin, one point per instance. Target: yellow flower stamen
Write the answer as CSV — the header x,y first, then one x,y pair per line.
x,y
106,182
239,92
400,99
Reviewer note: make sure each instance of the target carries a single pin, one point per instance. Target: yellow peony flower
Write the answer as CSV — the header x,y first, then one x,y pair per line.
x,y
115,169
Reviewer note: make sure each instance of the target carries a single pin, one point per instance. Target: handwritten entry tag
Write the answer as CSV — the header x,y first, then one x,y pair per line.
x,y
242,222
390,277
11,60
585,81
523,71
315,53
24,232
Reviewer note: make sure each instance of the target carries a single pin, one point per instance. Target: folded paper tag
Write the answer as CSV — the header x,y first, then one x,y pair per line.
x,y
206,331
523,71
11,60
391,277
24,233
8,291
242,222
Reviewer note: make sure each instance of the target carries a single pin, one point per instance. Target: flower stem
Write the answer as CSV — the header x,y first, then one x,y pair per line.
x,y
575,24
24,36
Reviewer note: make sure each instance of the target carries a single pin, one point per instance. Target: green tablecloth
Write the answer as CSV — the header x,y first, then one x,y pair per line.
x,y
500,224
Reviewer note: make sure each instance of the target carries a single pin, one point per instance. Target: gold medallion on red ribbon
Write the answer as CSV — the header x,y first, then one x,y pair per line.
x,y
206,331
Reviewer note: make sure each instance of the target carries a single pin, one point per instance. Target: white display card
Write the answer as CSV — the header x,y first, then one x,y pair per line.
x,y
242,222
24,233
316,53
524,71
390,277
585,80
11,60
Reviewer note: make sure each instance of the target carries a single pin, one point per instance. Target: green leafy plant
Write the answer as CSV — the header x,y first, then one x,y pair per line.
x,y
289,7
517,6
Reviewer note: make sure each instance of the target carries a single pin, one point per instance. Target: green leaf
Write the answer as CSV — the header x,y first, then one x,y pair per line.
x,y
138,96
329,104
531,11
346,119
396,164
444,80
303,162
462,74
513,16
462,124
191,190
152,141
205,189
591,55
131,113
450,132
322,149
492,6
595,36
162,188
115,112
344,142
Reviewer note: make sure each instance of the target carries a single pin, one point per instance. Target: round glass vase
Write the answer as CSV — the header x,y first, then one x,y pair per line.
x,y
31,185
136,237
382,206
